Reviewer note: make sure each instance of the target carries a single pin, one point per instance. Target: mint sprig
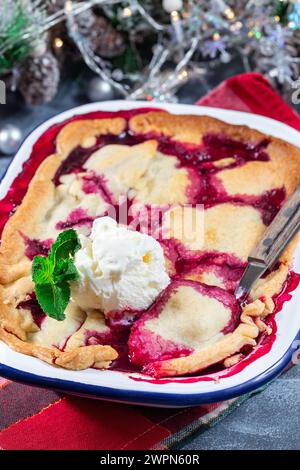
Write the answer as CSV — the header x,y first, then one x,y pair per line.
x,y
52,274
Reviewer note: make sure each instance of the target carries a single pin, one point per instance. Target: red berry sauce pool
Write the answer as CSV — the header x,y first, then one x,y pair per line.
x,y
200,160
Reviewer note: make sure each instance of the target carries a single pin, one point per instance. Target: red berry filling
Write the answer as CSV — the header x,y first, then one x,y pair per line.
x,y
194,313
77,218
201,160
33,306
34,247
96,184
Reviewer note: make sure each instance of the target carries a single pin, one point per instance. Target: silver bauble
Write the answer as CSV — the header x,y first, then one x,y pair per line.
x,y
100,90
172,5
10,139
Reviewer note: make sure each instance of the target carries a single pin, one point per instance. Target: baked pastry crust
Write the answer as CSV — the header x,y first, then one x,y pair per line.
x,y
15,267
256,177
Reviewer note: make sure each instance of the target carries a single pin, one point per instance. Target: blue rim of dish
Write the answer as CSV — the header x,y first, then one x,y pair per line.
x,y
138,396
150,398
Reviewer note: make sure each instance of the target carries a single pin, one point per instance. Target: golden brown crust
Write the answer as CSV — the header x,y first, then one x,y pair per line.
x,y
224,350
212,354
83,133
87,356
188,128
27,221
76,359
13,263
282,170
284,157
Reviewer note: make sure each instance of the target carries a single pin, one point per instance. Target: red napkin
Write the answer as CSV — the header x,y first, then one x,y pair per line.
x,y
32,418
251,92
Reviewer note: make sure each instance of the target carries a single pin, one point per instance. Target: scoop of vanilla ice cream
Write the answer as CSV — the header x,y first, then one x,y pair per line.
x,y
119,268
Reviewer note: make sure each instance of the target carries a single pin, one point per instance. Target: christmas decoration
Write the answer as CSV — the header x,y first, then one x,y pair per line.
x,y
16,18
10,139
102,36
294,16
145,49
99,90
38,78
172,5
104,39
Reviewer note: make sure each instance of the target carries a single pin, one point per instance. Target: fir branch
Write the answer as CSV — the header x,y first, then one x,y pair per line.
x,y
17,17
15,25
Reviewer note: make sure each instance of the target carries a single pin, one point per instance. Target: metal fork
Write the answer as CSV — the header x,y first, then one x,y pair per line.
x,y
275,239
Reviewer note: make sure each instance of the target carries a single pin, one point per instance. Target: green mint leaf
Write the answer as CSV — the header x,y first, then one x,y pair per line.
x,y
53,299
66,245
52,274
42,270
65,270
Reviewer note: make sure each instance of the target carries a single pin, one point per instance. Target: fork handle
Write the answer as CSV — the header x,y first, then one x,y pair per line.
x,y
279,233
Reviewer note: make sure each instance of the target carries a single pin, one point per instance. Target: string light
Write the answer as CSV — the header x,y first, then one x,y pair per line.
x,y
68,6
175,15
175,20
215,27
236,26
183,74
58,43
229,13
127,12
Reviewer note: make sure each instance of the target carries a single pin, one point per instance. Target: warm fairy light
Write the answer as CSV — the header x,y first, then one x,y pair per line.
x,y
174,15
127,12
216,37
229,13
250,34
277,18
236,26
68,6
58,43
183,74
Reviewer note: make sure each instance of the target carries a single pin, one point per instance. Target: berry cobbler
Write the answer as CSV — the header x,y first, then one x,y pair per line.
x,y
126,235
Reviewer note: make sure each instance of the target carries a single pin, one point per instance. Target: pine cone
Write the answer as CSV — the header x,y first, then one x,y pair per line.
x,y
105,41
39,79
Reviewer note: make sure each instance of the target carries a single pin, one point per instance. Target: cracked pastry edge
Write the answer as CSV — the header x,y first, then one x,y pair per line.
x,y
243,335
13,263
84,133
284,156
227,350
75,359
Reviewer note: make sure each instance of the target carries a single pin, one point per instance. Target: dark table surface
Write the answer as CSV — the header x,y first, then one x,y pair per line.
x,y
268,420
